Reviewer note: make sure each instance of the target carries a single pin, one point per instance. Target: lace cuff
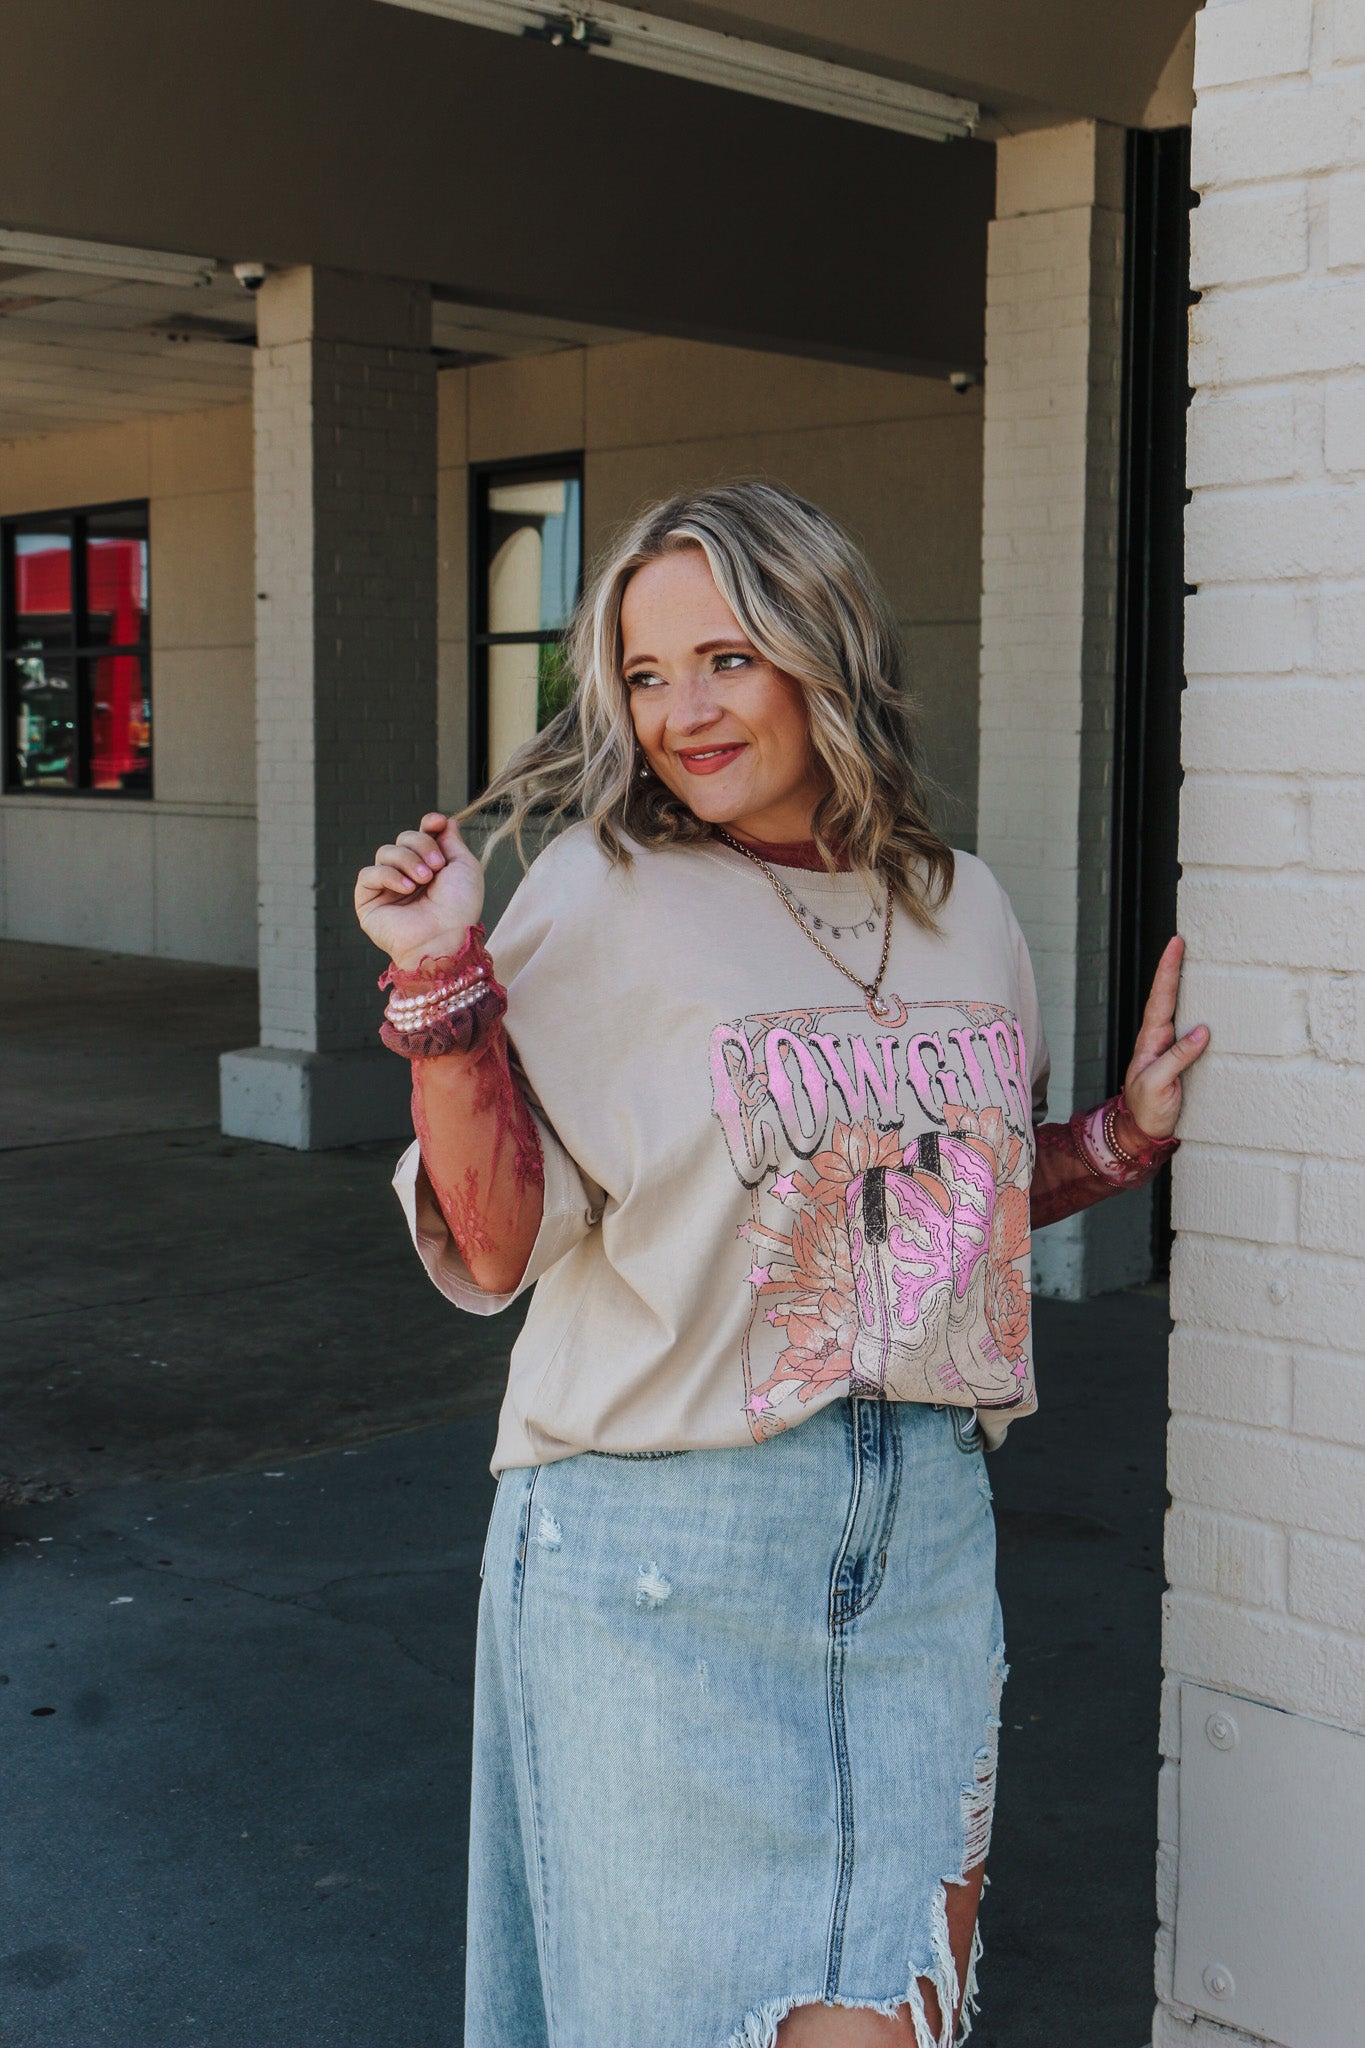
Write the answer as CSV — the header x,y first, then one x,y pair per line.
x,y
1095,1135
1085,1160
447,1003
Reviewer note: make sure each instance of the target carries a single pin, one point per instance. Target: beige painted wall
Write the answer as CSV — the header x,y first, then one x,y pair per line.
x,y
897,459
175,875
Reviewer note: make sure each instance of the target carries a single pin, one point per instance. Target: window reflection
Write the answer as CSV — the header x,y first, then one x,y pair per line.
x,y
534,545
42,588
76,666
120,723
46,741
116,578
529,539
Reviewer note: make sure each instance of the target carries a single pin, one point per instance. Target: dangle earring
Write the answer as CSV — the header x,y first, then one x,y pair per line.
x,y
644,769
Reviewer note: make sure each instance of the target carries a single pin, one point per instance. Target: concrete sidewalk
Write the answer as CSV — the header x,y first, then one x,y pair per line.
x,y
247,1446
236,1720
172,1302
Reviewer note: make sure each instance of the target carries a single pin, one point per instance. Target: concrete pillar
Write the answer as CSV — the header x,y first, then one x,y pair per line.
x,y
345,501
1054,304
1262,1810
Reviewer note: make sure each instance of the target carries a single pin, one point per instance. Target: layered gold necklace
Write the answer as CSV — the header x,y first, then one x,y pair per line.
x,y
872,990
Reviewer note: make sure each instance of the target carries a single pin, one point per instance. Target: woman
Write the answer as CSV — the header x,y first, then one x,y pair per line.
x,y
763,1128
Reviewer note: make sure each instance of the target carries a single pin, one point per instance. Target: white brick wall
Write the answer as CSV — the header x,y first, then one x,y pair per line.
x,y
346,633
1266,1535
1049,581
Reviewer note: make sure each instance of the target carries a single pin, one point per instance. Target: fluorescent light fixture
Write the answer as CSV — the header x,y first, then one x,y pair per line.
x,y
104,259
628,37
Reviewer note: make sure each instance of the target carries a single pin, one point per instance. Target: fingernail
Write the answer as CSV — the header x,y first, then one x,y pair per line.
x,y
424,874
438,860
405,883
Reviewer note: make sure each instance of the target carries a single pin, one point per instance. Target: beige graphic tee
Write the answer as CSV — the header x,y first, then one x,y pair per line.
x,y
760,1196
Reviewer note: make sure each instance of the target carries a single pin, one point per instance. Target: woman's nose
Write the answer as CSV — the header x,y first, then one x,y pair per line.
x,y
694,704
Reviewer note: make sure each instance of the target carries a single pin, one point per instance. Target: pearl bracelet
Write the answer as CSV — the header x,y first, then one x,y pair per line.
x,y
415,1012
443,1005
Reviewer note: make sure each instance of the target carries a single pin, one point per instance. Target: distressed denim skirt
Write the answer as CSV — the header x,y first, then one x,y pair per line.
x,y
734,1733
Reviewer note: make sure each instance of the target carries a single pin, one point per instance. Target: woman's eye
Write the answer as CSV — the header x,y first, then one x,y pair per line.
x,y
640,679
732,661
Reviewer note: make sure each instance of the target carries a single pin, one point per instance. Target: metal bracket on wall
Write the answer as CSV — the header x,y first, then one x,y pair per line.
x,y
568,32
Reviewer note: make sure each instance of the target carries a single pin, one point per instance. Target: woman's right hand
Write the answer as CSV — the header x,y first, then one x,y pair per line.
x,y
422,893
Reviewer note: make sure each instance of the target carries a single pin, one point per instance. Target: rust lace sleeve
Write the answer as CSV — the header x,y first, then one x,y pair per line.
x,y
1096,1153
479,1144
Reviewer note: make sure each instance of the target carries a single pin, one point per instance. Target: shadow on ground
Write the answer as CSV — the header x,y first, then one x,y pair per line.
x,y
178,1303
174,1303
236,1660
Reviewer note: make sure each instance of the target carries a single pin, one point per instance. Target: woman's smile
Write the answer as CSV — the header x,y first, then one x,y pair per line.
x,y
706,760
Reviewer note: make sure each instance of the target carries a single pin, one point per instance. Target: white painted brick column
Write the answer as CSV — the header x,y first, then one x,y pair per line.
x,y
1260,1871
1054,307
345,504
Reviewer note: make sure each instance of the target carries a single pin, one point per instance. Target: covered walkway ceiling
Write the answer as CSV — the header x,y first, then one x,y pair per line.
x,y
505,172
550,200
79,349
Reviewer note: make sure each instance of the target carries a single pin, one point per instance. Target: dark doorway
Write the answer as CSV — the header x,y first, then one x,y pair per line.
x,y
1151,597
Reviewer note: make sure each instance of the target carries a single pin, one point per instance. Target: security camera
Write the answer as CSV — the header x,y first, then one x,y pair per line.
x,y
250,276
962,381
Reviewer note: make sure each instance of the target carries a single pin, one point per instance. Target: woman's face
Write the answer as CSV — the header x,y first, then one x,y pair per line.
x,y
717,723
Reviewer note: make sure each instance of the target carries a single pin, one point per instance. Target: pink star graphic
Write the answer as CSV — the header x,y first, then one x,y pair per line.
x,y
784,1186
759,1276
743,1229
773,1316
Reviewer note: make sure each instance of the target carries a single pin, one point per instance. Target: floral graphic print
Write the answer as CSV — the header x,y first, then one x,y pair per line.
x,y
889,1170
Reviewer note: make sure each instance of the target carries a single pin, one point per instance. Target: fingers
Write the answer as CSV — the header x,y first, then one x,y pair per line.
x,y
428,853
1188,1049
444,836
1158,1015
382,880
447,834
407,863
1162,1075
413,860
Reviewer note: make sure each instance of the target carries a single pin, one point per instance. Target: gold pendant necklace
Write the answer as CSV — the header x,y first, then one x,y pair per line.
x,y
872,990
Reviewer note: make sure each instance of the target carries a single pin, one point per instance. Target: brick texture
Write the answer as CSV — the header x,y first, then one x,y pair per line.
x,y
346,658
1267,1450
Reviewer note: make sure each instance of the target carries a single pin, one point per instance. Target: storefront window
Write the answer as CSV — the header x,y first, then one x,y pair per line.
x,y
527,532
74,643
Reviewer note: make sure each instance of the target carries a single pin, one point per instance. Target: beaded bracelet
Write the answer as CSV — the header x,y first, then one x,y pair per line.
x,y
1154,1151
1095,1136
443,1005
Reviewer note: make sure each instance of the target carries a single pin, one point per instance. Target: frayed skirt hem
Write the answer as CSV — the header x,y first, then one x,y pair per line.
x,y
758,2028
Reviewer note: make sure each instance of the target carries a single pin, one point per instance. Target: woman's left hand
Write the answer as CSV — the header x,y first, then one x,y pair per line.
x,y
1152,1086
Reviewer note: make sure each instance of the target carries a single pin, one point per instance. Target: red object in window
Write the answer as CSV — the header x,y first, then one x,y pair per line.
x,y
118,724
113,583
43,582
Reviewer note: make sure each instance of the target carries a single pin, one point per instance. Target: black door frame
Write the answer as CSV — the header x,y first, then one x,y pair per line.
x,y
1150,671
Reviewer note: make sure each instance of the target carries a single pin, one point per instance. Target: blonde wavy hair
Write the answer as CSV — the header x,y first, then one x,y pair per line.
x,y
806,597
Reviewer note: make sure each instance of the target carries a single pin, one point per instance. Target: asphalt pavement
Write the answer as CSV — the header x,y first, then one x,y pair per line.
x,y
243,1488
